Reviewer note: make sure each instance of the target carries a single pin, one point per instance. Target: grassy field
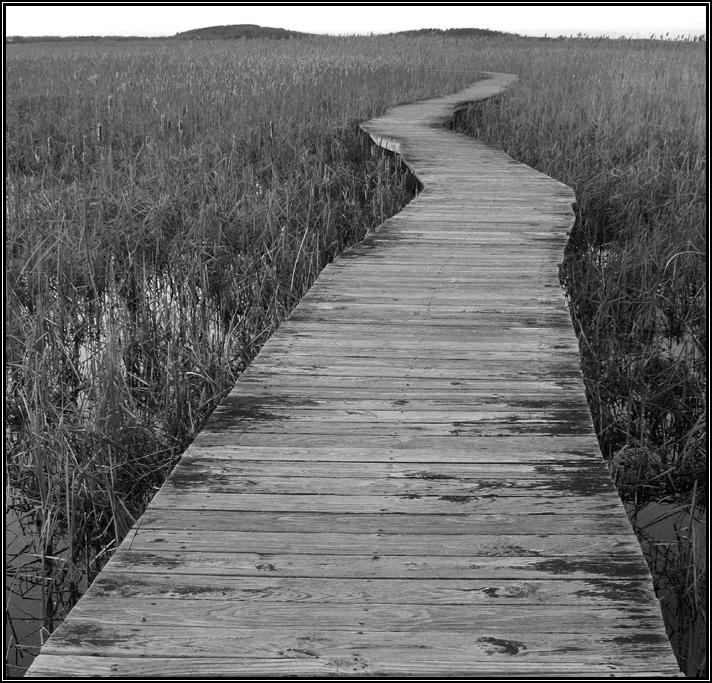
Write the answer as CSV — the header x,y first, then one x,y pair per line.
x,y
167,204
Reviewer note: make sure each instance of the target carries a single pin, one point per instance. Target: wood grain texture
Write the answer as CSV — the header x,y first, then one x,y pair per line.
x,y
405,481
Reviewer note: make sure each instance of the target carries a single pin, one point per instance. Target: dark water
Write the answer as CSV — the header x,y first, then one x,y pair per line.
x,y
23,599
35,604
38,594
674,543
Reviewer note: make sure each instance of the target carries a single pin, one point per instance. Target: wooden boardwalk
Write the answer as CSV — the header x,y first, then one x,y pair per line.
x,y
406,480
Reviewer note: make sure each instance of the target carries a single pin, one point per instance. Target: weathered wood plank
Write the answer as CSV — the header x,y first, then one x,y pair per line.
x,y
111,640
369,523
447,387
366,617
207,480
397,664
567,567
606,592
469,545
492,369
500,427
404,402
348,338
380,449
455,503
402,447
465,472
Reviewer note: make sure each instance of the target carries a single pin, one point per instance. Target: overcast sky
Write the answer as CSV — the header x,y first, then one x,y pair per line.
x,y
159,20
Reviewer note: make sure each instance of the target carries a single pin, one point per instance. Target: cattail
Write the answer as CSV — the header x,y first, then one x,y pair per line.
x,y
271,130
99,132
163,123
49,145
109,101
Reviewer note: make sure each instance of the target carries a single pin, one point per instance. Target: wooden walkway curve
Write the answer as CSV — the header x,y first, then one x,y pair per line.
x,y
405,481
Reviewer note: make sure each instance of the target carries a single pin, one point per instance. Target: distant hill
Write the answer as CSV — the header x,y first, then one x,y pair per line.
x,y
453,32
239,31
235,31
255,31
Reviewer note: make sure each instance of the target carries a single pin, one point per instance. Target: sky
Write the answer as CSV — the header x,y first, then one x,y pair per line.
x,y
163,20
